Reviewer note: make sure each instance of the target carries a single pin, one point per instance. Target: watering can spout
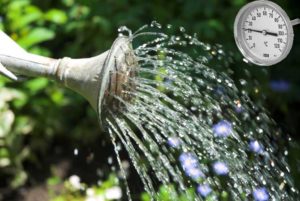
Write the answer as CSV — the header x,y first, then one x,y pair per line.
x,y
99,79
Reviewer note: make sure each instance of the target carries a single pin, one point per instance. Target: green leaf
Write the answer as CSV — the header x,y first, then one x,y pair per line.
x,y
166,193
57,97
145,197
4,153
52,181
59,198
36,85
224,195
188,195
21,100
14,5
56,16
32,14
40,51
36,36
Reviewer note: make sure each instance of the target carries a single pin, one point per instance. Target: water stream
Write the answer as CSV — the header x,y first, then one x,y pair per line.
x,y
188,125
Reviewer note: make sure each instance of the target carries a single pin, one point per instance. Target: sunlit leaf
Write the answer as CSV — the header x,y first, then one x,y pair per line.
x,y
36,36
33,14
36,85
56,16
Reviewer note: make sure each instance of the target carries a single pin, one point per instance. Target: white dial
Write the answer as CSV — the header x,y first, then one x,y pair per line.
x,y
263,33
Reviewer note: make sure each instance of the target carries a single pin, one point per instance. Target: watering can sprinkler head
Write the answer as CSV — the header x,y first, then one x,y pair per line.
x,y
99,79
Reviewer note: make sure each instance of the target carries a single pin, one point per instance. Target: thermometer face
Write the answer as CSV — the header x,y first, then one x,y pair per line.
x,y
263,33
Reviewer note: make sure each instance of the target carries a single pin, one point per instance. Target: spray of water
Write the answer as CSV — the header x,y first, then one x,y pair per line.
x,y
186,124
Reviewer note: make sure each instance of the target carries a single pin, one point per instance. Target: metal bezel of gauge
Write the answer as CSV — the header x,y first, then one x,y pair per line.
x,y
239,35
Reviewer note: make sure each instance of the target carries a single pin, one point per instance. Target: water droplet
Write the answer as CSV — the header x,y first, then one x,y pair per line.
x,y
155,24
110,160
180,105
124,30
76,151
243,82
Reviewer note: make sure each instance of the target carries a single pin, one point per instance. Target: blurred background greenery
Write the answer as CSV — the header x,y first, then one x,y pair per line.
x,y
48,135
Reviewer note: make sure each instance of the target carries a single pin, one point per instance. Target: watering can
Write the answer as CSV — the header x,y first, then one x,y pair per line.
x,y
98,79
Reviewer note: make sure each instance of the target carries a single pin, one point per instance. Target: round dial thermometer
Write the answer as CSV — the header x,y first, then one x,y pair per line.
x,y
264,33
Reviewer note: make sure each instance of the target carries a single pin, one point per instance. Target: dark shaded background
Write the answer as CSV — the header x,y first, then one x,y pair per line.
x,y
59,121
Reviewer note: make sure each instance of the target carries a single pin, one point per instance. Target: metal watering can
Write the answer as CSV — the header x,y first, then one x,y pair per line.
x,y
98,79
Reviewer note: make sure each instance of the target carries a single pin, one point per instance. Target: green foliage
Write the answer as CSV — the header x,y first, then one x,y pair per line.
x,y
168,193
56,16
79,191
36,36
27,126
27,22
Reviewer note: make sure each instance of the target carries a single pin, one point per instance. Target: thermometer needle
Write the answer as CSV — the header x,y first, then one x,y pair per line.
x,y
263,32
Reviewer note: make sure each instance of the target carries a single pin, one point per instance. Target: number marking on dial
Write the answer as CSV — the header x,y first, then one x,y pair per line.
x,y
267,28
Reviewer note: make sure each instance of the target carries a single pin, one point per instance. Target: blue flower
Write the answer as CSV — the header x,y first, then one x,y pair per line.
x,y
194,173
255,146
280,85
238,109
188,160
260,194
204,190
220,168
222,128
190,165
174,142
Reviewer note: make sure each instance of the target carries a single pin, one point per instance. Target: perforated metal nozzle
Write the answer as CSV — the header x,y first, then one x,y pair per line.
x,y
119,71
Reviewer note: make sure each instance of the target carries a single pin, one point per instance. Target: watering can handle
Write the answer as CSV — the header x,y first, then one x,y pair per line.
x,y
14,59
8,46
